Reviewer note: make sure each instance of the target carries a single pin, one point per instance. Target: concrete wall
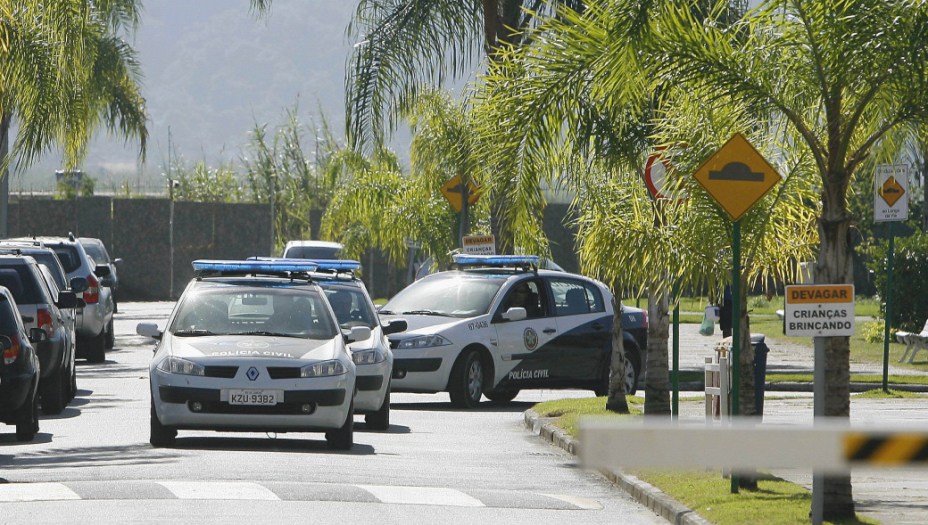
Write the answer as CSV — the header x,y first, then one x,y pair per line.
x,y
139,232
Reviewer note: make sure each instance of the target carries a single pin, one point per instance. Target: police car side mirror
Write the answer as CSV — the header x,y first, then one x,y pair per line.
x,y
358,333
395,326
516,313
148,330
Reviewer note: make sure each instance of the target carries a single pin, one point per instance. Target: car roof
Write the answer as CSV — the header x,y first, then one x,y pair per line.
x,y
321,244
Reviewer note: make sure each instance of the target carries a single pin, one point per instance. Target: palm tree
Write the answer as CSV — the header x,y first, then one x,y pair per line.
x,y
844,77
66,71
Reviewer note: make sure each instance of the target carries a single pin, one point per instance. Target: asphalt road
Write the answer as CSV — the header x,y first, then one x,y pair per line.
x,y
93,463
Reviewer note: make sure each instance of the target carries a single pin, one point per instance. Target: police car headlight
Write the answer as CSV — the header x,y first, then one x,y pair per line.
x,y
176,365
324,369
368,357
424,341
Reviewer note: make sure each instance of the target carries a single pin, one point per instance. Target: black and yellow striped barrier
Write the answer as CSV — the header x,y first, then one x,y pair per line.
x,y
885,449
606,443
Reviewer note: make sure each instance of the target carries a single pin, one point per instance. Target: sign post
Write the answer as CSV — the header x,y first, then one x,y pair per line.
x,y
890,204
819,311
737,177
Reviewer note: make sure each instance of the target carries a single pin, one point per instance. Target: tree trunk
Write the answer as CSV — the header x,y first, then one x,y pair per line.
x,y
657,378
616,401
4,175
835,266
747,479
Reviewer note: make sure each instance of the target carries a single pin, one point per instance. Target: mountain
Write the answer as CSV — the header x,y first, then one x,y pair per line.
x,y
211,70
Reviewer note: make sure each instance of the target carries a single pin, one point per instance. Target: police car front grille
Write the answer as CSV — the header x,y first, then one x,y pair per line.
x,y
283,372
221,371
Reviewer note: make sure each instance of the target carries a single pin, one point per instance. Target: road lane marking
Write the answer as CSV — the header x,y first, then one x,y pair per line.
x,y
238,490
422,496
582,503
36,492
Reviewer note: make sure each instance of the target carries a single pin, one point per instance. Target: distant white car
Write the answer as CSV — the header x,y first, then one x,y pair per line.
x,y
253,346
313,250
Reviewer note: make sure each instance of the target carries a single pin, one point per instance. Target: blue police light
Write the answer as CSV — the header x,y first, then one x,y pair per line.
x,y
255,265
343,265
463,259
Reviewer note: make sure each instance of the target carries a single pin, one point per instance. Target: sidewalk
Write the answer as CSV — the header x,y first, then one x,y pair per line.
x,y
890,496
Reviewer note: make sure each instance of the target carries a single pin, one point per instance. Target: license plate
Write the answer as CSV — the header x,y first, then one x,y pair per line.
x,y
255,397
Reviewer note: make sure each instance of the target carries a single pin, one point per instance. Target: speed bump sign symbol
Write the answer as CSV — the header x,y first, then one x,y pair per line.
x,y
737,176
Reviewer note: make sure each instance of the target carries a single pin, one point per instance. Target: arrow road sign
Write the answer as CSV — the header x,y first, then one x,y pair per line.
x,y
453,189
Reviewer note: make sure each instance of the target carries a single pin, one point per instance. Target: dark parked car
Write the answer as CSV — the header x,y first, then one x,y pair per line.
x,y
19,370
39,303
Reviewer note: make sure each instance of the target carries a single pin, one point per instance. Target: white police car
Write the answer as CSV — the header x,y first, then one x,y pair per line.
x,y
499,325
253,346
372,356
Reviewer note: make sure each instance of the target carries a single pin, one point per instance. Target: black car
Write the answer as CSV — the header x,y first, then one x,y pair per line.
x,y
19,370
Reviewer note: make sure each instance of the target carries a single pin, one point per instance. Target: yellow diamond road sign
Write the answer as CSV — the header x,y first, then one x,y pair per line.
x,y
453,189
737,176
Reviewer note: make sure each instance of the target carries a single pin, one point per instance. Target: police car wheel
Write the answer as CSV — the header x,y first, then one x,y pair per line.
x,y
380,420
161,436
343,437
631,372
631,378
466,384
501,396
96,348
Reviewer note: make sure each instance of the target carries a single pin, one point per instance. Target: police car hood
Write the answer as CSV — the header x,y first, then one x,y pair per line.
x,y
253,346
418,322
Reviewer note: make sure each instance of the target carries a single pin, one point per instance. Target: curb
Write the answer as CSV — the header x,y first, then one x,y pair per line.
x,y
644,493
697,386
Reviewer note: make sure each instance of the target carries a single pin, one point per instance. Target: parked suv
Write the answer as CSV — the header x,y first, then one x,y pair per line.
x,y
95,319
51,266
97,251
40,308
19,371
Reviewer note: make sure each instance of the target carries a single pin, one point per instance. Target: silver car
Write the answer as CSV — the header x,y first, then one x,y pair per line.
x,y
94,325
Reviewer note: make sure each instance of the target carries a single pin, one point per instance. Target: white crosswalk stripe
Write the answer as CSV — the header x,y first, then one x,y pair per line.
x,y
36,492
422,496
238,490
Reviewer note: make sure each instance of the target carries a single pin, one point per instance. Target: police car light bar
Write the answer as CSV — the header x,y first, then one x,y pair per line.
x,y
343,265
507,261
255,265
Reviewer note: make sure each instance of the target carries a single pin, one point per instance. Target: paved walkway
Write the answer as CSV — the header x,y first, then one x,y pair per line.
x,y
898,496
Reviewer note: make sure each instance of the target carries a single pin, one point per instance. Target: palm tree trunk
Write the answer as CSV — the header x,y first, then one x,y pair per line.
x,y
657,378
835,266
4,176
616,401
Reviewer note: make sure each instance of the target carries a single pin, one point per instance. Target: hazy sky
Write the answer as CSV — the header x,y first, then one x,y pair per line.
x,y
211,71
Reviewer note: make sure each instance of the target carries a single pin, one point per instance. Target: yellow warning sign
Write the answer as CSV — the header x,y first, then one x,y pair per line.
x,y
737,176
891,191
453,189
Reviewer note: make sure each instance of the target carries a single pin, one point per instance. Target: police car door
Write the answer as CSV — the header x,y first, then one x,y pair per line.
x,y
523,359
583,328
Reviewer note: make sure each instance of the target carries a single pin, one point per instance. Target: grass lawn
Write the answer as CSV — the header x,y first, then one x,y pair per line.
x,y
707,492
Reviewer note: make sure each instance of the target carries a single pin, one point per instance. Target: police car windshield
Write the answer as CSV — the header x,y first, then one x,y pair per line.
x,y
452,294
351,306
261,311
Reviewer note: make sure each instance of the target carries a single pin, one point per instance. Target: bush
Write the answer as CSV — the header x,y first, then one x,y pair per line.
x,y
872,332
910,280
